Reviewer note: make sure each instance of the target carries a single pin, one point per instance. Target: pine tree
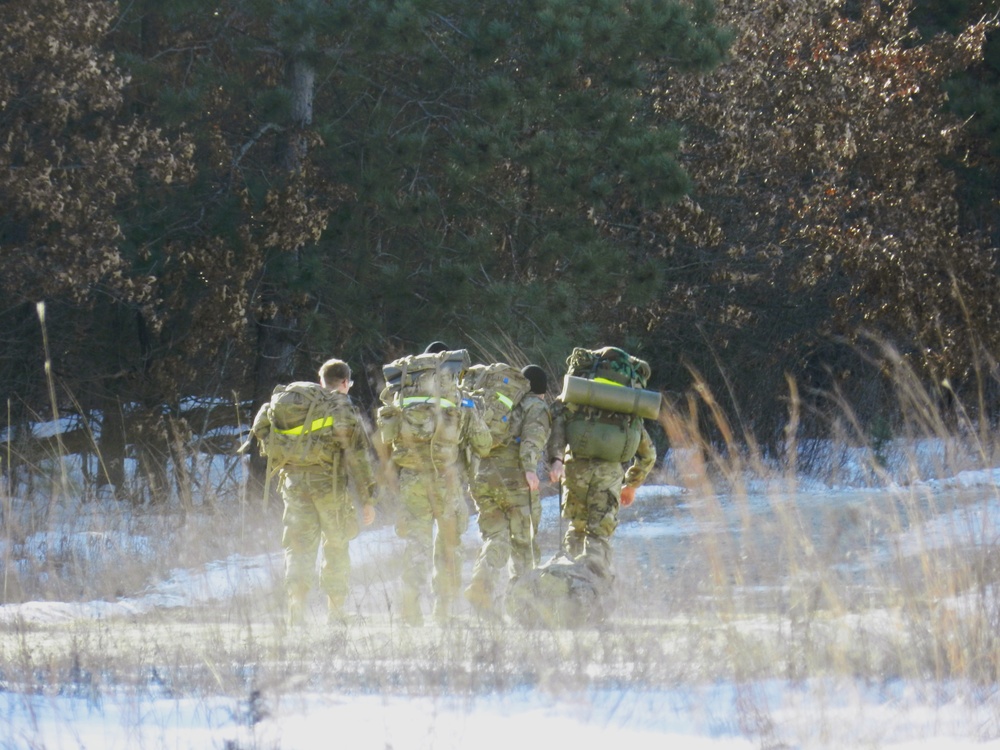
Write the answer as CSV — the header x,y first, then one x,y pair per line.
x,y
71,158
826,206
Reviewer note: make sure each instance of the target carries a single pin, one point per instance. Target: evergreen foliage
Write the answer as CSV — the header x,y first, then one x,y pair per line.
x,y
216,198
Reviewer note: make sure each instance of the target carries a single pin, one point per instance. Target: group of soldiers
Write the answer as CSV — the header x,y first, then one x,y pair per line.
x,y
431,480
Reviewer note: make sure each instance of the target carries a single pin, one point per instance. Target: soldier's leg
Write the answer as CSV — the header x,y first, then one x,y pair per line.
x,y
339,524
494,530
445,497
602,516
576,487
300,541
524,519
415,526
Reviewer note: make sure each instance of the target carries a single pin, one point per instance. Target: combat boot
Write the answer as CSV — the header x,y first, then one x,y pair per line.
x,y
573,543
442,611
409,608
335,615
597,557
296,610
479,594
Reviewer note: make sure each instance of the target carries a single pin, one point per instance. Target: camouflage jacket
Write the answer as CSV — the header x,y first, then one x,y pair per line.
x,y
532,422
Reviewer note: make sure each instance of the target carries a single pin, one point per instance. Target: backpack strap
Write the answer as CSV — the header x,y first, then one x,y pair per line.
x,y
442,402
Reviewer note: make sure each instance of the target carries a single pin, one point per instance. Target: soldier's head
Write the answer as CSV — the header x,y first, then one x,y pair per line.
x,y
537,377
335,375
436,347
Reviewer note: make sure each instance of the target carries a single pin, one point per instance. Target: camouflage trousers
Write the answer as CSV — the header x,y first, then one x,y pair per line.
x,y
315,511
591,492
508,521
429,499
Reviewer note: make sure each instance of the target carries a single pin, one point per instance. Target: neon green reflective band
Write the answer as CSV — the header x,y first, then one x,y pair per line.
x,y
316,424
607,382
508,402
442,402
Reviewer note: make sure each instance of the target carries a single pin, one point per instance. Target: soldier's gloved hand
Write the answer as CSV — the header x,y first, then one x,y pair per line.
x,y
556,471
628,496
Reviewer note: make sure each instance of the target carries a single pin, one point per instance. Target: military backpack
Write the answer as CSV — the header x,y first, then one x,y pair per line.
x,y
497,389
307,425
600,433
422,397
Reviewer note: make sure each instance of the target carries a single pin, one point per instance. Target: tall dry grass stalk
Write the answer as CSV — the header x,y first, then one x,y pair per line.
x,y
761,569
899,581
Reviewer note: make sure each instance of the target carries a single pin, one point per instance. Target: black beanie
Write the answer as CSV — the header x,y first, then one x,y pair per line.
x,y
537,377
436,347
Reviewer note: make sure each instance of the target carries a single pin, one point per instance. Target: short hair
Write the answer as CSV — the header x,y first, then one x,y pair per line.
x,y
334,371
436,347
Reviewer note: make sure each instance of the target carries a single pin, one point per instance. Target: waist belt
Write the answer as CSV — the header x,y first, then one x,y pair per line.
x,y
442,402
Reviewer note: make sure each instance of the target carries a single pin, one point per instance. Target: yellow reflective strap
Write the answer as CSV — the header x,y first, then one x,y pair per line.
x,y
442,402
607,382
508,402
316,424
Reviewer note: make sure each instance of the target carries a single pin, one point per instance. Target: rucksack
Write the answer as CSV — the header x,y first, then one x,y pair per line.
x,y
424,375
599,433
497,389
422,397
610,364
308,423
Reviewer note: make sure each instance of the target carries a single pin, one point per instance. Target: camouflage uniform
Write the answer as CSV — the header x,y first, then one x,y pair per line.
x,y
319,506
591,489
509,513
430,489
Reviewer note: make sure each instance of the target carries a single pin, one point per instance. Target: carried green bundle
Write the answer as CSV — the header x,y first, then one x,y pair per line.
x,y
610,397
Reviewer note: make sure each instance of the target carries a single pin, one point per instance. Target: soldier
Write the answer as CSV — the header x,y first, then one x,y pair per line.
x,y
327,449
426,422
593,487
505,490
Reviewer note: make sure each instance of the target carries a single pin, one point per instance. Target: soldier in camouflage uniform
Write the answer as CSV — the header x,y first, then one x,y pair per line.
x,y
505,490
592,491
430,491
318,506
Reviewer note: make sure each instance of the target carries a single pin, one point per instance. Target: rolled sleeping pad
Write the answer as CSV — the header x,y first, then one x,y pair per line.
x,y
610,397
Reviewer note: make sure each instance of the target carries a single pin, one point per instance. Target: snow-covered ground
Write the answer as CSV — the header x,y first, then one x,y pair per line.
x,y
710,714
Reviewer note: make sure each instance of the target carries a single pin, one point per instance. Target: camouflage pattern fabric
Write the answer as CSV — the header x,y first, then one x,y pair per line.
x,y
428,499
508,514
319,508
592,487
561,593
430,492
316,510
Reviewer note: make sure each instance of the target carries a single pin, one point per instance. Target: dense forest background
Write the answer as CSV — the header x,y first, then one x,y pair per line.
x,y
201,200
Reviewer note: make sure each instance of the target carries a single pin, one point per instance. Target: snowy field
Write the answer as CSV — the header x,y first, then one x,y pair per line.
x,y
197,657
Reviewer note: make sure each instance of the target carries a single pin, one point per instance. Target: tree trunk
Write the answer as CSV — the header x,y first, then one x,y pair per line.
x,y
278,337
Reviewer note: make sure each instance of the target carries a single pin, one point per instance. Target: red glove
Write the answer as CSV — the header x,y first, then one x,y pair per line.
x,y
628,496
